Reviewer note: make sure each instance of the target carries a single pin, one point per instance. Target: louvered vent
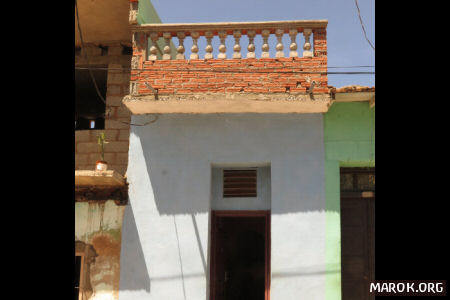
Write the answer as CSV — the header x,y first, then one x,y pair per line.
x,y
239,183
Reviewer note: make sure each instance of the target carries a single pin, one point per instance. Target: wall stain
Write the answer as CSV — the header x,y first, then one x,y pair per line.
x,y
105,271
106,245
102,213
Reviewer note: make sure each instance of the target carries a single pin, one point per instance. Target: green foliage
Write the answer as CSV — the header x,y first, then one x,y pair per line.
x,y
101,141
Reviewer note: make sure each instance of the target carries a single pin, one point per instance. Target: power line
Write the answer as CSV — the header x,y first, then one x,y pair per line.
x,y
362,25
93,78
252,71
145,124
351,67
127,69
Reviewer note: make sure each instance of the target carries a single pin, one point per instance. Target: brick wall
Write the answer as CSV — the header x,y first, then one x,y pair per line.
x,y
116,132
241,75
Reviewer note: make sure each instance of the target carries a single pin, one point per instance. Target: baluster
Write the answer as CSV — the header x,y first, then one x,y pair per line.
x,y
265,47
153,49
307,46
293,47
194,49
279,34
140,41
251,46
166,55
209,48
237,48
222,47
181,36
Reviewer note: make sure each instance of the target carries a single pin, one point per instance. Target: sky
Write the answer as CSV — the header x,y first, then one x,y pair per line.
x,y
347,45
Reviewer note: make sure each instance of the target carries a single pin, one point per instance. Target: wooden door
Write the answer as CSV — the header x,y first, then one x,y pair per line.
x,y
357,233
240,265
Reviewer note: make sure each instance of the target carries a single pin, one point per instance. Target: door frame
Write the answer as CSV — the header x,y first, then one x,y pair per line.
x,y
240,213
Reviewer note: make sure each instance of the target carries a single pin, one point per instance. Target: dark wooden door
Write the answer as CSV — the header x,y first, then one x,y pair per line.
x,y
239,256
357,234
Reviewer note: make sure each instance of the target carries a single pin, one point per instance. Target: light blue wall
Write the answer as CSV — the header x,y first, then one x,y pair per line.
x,y
165,253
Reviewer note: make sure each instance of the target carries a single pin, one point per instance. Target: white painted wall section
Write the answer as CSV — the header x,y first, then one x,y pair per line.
x,y
165,237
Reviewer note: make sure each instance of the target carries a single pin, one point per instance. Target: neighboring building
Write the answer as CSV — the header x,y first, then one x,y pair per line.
x,y
100,197
349,139
250,177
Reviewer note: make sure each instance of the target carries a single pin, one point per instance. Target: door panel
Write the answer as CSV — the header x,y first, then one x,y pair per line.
x,y
357,233
239,267
356,266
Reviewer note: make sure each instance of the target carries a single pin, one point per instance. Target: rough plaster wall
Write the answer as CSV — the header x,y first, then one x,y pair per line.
x,y
349,138
165,251
100,225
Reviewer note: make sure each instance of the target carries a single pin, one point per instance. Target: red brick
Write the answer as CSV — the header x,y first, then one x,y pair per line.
x,y
197,80
267,59
277,90
296,90
274,65
163,81
166,91
233,89
198,90
216,80
190,85
155,86
241,84
284,59
256,90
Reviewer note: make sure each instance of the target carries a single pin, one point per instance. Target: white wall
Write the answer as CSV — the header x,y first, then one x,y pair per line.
x,y
165,237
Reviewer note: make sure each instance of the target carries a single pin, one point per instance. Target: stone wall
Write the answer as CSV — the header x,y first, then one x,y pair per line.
x,y
117,117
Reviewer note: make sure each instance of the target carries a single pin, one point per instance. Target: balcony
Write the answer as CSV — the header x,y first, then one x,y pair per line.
x,y
166,80
103,22
95,186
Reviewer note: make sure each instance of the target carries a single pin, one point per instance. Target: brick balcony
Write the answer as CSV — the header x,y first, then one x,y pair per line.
x,y
162,82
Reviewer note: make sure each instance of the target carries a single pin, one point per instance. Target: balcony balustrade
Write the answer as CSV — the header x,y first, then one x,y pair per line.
x,y
153,32
161,69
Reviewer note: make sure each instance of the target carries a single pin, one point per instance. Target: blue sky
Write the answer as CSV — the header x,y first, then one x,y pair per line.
x,y
347,45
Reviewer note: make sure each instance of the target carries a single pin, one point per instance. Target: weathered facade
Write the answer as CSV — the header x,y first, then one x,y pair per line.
x,y
241,174
100,197
209,116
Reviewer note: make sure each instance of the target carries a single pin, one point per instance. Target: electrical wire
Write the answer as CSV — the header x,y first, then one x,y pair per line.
x,y
89,68
93,78
121,69
362,25
265,70
145,124
86,56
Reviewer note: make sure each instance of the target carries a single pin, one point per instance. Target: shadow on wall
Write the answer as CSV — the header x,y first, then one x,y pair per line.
x,y
180,149
133,264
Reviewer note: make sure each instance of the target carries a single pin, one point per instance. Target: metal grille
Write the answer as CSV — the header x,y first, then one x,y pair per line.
x,y
357,179
239,183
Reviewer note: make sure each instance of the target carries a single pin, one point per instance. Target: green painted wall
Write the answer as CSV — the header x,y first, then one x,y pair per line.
x,y
147,13
349,138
